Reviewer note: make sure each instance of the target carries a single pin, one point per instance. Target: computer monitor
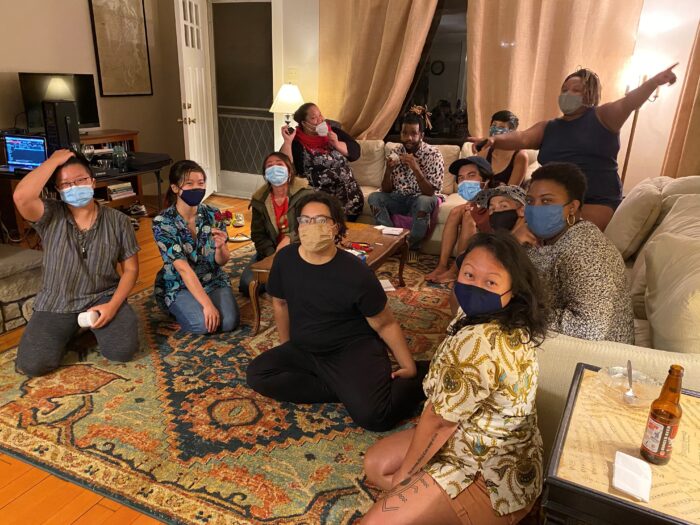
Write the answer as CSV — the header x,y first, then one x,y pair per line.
x,y
80,88
24,151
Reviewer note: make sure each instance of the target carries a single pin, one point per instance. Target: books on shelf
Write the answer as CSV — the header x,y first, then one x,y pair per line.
x,y
120,190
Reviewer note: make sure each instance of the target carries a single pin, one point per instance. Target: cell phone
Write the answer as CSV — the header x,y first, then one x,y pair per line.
x,y
289,130
480,145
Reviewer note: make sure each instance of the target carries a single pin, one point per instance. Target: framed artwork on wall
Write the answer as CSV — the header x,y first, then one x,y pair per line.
x,y
121,47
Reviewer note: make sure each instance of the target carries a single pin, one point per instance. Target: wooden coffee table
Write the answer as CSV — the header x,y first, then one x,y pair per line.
x,y
383,247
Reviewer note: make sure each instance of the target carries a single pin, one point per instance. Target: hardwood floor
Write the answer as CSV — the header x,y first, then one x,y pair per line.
x,y
31,496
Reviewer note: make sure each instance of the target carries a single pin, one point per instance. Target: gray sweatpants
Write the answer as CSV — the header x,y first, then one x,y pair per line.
x,y
45,338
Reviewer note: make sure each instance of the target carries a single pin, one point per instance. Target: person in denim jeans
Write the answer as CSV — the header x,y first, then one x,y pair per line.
x,y
412,179
192,284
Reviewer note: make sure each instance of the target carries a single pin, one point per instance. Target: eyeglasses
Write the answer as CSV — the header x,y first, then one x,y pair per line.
x,y
318,219
82,181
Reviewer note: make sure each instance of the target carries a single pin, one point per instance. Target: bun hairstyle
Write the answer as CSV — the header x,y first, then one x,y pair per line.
x,y
301,113
418,115
591,85
178,175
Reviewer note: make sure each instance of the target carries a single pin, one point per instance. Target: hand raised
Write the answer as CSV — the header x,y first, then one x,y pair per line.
x,y
286,135
61,156
667,76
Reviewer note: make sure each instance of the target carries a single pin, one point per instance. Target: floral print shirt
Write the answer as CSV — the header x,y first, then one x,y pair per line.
x,y
431,163
175,241
485,380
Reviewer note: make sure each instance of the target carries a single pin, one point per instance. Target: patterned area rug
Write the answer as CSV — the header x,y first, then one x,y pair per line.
x,y
176,433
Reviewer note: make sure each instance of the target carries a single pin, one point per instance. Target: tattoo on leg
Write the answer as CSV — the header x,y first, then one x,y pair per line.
x,y
407,486
414,468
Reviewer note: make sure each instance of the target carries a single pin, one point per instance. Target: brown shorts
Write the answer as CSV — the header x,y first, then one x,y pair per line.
x,y
473,507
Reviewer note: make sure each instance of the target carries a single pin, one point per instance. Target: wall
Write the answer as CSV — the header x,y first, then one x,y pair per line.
x,y
665,36
47,37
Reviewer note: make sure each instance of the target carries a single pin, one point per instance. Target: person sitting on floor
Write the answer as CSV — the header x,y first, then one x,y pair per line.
x,y
506,206
509,167
472,175
334,327
192,285
83,242
412,179
583,268
475,456
275,211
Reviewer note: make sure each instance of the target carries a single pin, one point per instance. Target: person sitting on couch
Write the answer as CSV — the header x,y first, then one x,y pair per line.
x,y
473,174
334,325
275,211
584,270
192,285
412,179
475,455
83,243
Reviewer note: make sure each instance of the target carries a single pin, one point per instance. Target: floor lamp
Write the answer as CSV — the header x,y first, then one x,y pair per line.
x,y
633,129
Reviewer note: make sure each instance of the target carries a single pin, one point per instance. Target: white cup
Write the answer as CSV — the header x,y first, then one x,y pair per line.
x,y
87,319
393,156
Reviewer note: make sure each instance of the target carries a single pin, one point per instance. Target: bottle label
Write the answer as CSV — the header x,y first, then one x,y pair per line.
x,y
658,438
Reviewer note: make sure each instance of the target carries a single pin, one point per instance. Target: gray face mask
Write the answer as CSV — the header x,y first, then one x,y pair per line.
x,y
569,103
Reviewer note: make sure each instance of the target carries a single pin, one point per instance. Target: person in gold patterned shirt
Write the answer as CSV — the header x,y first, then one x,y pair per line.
x,y
475,456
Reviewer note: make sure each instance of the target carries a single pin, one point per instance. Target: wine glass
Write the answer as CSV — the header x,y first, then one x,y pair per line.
x,y
88,151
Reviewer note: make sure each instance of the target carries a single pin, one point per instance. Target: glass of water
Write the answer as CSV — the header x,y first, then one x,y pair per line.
x,y
88,151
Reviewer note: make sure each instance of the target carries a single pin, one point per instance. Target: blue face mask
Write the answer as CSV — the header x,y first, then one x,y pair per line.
x,y
77,196
497,130
477,301
276,175
193,197
545,221
468,189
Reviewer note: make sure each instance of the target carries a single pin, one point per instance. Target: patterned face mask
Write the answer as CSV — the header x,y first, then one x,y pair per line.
x,y
497,130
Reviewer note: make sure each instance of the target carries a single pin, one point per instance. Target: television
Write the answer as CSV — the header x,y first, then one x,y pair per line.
x,y
79,88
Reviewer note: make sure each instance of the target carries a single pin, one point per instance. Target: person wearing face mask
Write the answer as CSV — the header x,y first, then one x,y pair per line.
x,y
475,456
472,175
275,211
321,151
334,325
412,179
588,135
192,285
83,242
509,167
583,268
506,206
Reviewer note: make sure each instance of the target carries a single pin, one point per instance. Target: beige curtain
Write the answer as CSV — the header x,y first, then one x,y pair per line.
x,y
520,51
683,152
368,53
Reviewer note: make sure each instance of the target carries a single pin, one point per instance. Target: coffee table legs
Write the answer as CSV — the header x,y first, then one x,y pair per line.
x,y
402,261
254,301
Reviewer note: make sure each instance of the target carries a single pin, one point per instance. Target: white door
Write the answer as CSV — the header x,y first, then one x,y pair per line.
x,y
196,86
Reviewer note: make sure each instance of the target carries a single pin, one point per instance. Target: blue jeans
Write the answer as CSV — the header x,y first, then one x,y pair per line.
x,y
384,205
190,315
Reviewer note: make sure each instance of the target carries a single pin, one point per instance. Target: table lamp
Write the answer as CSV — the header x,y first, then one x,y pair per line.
x,y
287,101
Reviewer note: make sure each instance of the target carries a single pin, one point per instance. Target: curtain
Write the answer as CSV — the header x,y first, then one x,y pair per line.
x,y
368,53
520,51
683,151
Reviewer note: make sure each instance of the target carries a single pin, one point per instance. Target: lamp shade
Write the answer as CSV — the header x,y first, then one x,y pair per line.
x,y
287,100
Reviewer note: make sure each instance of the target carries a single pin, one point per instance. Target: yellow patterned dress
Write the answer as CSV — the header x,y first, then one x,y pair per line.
x,y
486,379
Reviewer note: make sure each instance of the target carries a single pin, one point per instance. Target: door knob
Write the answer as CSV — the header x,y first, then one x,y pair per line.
x,y
180,120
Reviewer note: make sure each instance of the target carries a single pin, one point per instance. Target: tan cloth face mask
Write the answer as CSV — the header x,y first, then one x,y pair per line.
x,y
316,237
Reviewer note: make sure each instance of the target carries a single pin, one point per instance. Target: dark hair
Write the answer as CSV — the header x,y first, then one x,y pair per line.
x,y
76,159
334,205
528,309
565,174
506,116
411,118
592,87
178,175
283,158
302,111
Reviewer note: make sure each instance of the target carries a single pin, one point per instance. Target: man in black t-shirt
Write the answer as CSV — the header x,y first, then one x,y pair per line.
x,y
334,326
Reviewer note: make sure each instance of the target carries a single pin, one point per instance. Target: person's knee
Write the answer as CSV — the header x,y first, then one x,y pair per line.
x,y
229,320
373,464
425,204
373,420
33,367
122,350
376,199
255,374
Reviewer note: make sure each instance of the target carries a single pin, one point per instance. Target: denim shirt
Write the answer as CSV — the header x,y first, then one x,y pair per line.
x,y
174,240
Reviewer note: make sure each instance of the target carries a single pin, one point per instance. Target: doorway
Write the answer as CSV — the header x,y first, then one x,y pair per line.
x,y
243,70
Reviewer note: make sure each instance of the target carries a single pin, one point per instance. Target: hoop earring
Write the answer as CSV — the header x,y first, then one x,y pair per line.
x,y
573,220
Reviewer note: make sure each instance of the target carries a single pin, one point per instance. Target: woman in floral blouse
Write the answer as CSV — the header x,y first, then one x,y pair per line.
x,y
476,454
192,285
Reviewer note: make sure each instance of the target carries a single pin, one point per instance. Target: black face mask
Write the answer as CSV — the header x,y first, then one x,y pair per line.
x,y
503,220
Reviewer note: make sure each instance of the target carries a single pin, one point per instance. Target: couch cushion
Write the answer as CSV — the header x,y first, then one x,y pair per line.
x,y
369,168
673,293
683,219
684,185
634,219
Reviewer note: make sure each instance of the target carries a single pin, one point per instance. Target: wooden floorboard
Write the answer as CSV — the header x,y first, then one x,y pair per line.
x,y
23,486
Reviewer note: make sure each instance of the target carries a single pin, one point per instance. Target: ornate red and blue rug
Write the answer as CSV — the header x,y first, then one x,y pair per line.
x,y
176,433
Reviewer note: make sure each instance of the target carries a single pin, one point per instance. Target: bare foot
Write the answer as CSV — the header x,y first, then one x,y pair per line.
x,y
447,276
432,276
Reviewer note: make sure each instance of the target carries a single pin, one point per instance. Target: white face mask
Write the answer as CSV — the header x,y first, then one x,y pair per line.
x,y
322,128
568,102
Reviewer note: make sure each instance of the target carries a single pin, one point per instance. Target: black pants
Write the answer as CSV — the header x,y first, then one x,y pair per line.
x,y
359,376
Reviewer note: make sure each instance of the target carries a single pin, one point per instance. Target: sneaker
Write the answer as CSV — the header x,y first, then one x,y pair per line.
x,y
134,223
137,209
238,220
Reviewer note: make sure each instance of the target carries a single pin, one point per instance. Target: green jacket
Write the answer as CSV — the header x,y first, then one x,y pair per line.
x,y
263,228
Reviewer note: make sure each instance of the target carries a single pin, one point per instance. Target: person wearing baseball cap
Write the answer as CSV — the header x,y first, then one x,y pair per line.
x,y
472,174
506,206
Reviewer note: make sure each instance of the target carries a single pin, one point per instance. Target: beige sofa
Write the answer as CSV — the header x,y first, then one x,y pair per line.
x,y
369,170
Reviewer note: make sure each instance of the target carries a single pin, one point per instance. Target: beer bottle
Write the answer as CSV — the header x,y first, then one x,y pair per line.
x,y
664,417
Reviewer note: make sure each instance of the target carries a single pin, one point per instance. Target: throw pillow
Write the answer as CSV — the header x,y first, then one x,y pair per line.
x,y
673,293
368,170
682,185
